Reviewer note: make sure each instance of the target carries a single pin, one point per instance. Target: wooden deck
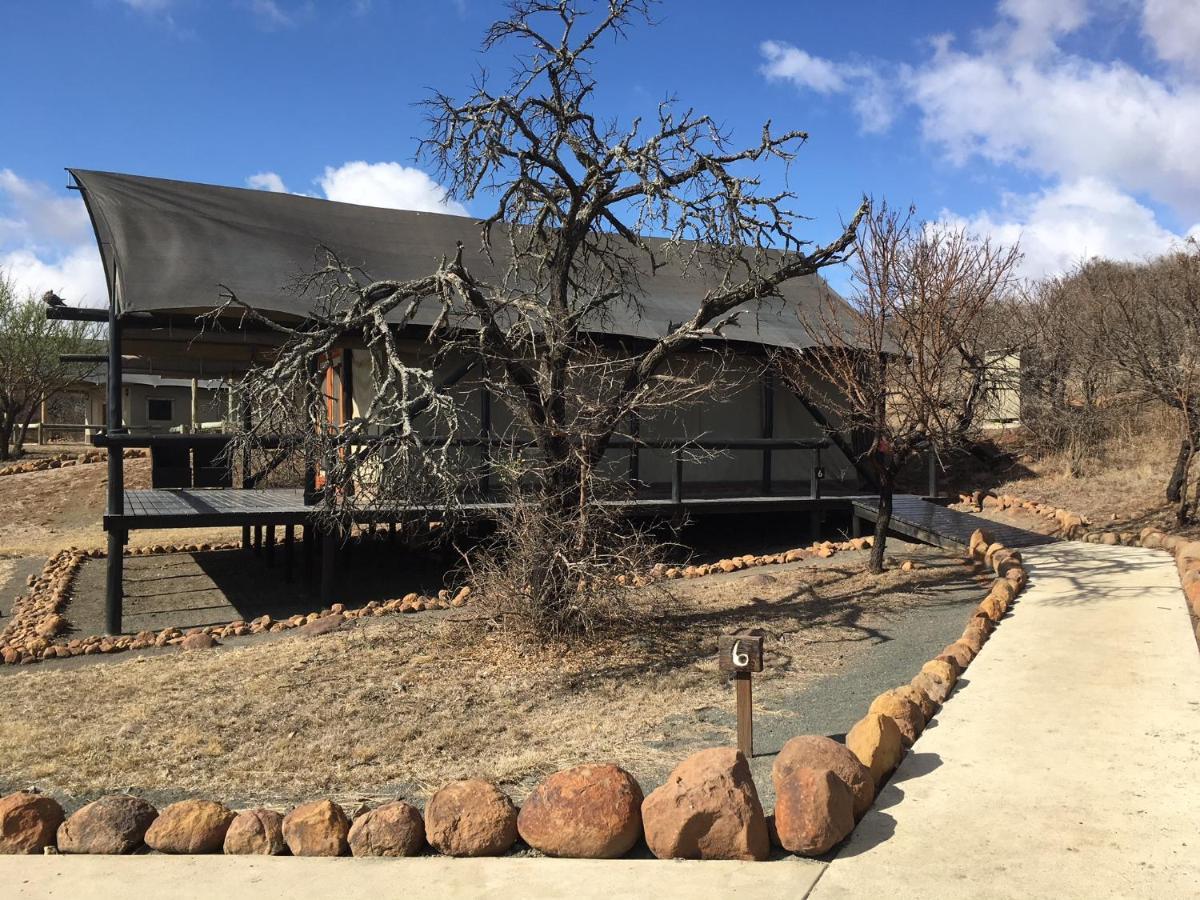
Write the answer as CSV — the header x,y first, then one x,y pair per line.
x,y
216,507
918,518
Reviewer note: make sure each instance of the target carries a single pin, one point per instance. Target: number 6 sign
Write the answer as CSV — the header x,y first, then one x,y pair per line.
x,y
740,652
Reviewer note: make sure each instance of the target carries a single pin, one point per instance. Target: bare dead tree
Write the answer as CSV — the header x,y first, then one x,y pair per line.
x,y
563,255
905,365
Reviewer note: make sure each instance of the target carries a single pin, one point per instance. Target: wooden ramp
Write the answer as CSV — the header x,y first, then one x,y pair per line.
x,y
918,518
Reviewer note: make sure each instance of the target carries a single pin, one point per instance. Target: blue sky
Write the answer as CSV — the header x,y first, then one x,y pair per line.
x,y
1071,125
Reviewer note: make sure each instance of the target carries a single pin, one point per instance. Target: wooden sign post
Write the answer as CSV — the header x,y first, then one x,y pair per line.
x,y
742,654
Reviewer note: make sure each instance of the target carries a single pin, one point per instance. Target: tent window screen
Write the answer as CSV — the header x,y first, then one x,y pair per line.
x,y
159,409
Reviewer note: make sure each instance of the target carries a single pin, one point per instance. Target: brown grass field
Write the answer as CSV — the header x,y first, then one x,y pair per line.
x,y
398,706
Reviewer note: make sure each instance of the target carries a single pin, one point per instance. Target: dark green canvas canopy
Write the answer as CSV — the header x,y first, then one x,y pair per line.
x,y
166,245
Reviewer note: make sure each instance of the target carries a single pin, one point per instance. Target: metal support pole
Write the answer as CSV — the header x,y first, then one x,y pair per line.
x,y
114,595
270,545
485,435
635,432
768,427
933,477
677,478
814,493
258,538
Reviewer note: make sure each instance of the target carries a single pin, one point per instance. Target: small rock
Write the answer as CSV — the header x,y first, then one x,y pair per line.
x,y
110,825
190,826
471,818
708,809
319,828
199,641
393,829
323,625
256,831
28,822
813,811
587,812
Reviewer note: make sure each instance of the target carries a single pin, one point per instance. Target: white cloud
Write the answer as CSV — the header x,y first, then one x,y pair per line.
x,y
802,69
46,241
1030,27
1173,28
387,184
77,275
148,6
1065,224
1067,117
271,14
31,213
267,181
869,92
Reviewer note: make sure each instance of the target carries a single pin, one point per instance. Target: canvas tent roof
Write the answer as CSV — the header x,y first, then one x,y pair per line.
x,y
167,244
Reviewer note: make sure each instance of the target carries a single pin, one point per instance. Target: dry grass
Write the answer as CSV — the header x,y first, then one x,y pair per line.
x,y
1124,485
397,707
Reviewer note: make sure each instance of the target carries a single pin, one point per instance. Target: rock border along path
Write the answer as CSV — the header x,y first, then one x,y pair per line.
x,y
1068,767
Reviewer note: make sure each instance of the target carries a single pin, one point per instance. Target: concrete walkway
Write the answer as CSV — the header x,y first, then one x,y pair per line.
x,y
1068,762
424,878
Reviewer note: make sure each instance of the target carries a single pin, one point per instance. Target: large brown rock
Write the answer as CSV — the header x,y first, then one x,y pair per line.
x,y
906,714
393,829
471,818
189,826
941,669
257,832
876,741
588,812
814,810
811,751
28,822
708,809
319,828
112,825
936,690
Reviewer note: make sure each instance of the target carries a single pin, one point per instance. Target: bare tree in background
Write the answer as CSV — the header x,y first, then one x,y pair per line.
x,y
563,255
908,367
1150,319
30,368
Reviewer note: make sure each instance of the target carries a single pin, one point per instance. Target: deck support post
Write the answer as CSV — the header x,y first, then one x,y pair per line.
x,y
308,551
329,548
289,550
270,545
114,591
855,524
258,536
814,493
933,475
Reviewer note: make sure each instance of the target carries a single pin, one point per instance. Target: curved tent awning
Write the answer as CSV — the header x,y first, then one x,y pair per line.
x,y
166,245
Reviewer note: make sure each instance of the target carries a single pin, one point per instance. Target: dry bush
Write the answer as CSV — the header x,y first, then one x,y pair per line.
x,y
563,574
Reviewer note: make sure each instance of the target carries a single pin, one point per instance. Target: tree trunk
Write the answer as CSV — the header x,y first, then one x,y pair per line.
x,y
887,486
6,427
1179,474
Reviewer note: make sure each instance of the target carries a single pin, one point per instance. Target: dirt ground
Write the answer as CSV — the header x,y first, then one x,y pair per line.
x,y
394,707
46,511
